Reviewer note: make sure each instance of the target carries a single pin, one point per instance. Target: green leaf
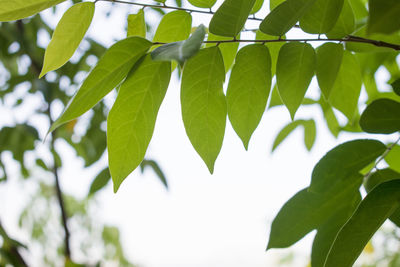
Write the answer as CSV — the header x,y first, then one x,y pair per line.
x,y
228,50
100,181
330,117
248,90
230,17
329,59
381,116
111,69
274,48
327,232
321,16
343,161
396,86
379,177
174,26
346,90
156,168
203,3
19,9
345,24
306,211
294,71
282,18
309,133
382,201
257,6
67,36
183,50
131,120
274,3
203,103
383,16
393,158
137,24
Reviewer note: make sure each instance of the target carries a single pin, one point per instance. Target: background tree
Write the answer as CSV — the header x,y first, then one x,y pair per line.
x,y
358,41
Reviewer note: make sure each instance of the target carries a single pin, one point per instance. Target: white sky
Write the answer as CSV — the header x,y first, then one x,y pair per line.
x,y
203,220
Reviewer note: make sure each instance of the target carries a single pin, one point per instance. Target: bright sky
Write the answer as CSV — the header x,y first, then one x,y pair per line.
x,y
204,220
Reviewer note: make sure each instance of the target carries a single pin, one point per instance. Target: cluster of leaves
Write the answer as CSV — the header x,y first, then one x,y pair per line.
x,y
359,40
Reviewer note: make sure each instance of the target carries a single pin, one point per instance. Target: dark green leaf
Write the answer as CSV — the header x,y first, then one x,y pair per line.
x,y
381,202
396,86
383,16
248,90
343,161
381,116
203,103
131,121
345,24
307,211
156,168
100,181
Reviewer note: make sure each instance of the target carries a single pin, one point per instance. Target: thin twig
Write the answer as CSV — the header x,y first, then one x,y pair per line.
x,y
382,157
190,10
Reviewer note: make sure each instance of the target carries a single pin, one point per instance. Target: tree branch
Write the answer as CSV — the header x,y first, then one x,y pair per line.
x,y
348,39
164,6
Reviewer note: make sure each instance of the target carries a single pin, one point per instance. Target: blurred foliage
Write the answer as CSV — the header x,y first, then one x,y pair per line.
x,y
22,135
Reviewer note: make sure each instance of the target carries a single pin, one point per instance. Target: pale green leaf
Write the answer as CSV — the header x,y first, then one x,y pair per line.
x,y
347,87
345,24
19,9
67,36
274,3
137,24
183,50
383,16
257,6
294,71
282,18
230,17
203,3
321,16
329,59
174,26
381,202
274,48
228,50
203,103
309,133
248,90
111,69
393,158
131,120
343,161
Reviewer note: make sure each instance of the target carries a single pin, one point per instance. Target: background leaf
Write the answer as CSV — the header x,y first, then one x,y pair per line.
x,y
137,24
174,26
383,16
19,9
203,3
345,24
203,103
